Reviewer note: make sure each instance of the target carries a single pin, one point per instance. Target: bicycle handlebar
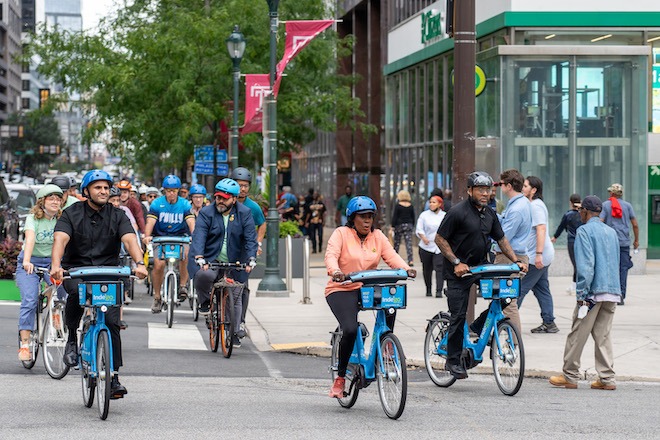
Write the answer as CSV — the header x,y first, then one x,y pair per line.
x,y
493,270
226,266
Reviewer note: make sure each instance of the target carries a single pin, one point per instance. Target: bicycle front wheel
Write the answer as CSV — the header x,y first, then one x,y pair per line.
x,y
103,374
214,320
88,383
436,337
170,291
508,355
392,376
227,326
351,390
194,304
55,337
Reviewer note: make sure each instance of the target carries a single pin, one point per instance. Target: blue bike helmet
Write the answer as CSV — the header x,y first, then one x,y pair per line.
x,y
197,189
227,186
93,176
171,181
360,204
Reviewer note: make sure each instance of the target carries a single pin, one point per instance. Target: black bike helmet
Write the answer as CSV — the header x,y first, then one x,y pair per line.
x,y
115,192
479,178
61,181
241,173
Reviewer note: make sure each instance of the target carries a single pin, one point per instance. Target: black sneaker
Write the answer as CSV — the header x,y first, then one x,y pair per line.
x,y
117,390
183,293
203,308
457,371
71,354
236,341
549,327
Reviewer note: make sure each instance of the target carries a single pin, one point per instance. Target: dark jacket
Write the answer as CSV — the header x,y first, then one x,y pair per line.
x,y
209,236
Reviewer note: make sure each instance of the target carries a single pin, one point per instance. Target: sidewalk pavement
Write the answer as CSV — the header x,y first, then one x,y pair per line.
x,y
287,324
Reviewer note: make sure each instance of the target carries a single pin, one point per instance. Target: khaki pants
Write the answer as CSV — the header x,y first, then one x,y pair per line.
x,y
511,311
598,324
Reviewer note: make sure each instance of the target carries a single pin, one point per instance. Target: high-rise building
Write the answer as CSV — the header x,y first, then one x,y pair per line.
x,y
10,45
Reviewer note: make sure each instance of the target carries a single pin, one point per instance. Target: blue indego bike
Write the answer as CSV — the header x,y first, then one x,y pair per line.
x,y
171,249
500,284
385,362
100,287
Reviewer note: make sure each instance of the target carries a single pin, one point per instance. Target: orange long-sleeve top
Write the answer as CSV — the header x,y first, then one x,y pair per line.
x,y
347,253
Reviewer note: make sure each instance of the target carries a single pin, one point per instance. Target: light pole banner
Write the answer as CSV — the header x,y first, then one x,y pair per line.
x,y
298,35
257,87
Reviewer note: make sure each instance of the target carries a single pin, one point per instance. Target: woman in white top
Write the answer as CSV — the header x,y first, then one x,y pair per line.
x,y
429,253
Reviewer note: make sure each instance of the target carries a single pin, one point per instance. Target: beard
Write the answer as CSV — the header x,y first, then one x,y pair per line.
x,y
223,208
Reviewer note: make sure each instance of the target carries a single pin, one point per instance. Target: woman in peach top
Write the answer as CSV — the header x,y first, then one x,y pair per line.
x,y
354,247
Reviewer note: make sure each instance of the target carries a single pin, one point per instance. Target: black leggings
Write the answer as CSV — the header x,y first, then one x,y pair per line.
x,y
345,306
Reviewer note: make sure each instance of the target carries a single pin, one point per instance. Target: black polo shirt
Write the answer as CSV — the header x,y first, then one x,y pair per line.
x,y
467,230
95,235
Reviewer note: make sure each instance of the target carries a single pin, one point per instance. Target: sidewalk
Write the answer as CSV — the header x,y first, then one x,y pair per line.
x,y
286,324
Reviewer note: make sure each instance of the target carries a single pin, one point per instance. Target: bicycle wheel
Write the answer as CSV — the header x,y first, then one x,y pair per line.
x,y
54,343
103,374
194,303
88,384
508,355
227,325
392,376
214,320
149,284
436,333
170,291
351,390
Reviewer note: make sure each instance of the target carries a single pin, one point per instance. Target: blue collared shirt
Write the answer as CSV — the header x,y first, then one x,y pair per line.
x,y
597,260
516,222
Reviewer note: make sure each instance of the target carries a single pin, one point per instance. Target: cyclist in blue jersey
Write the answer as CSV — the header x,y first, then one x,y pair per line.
x,y
169,215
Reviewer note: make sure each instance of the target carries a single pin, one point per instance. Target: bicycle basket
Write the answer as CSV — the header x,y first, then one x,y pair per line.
x,y
384,296
494,288
170,250
101,293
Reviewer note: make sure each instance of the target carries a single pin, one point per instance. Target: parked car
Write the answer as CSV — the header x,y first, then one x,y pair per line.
x,y
8,215
25,200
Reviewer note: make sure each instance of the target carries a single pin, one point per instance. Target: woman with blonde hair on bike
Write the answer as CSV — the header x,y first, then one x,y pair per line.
x,y
39,226
354,247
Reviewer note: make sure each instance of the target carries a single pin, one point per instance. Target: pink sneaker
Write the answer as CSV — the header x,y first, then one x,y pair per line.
x,y
24,353
337,389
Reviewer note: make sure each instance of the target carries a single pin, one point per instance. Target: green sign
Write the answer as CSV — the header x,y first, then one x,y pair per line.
x,y
654,177
479,80
431,26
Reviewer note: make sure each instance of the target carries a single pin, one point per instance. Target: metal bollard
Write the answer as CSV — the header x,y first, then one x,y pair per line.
x,y
289,263
305,298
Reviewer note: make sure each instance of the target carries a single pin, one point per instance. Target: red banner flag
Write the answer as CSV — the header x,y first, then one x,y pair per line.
x,y
257,86
298,35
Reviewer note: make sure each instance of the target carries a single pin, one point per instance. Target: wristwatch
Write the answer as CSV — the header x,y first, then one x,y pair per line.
x,y
140,263
456,261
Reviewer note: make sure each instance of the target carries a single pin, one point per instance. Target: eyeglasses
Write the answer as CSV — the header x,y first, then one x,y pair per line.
x,y
53,197
151,196
244,185
171,190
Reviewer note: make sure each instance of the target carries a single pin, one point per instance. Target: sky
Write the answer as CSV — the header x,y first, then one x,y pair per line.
x,y
93,10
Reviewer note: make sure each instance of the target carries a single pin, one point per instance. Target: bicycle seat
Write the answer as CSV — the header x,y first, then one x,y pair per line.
x,y
172,240
494,270
100,273
378,276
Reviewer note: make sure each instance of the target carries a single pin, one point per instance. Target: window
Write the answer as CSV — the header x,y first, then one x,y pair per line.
x,y
25,103
26,85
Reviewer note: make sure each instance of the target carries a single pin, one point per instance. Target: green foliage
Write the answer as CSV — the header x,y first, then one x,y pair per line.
x,y
9,250
159,75
289,228
39,128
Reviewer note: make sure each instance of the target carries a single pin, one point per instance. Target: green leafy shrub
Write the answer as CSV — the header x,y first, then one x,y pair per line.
x,y
9,250
290,228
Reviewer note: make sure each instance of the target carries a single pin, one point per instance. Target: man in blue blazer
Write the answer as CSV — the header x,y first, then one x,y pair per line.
x,y
224,231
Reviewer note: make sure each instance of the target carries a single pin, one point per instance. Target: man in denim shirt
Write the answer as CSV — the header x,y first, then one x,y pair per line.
x,y
598,291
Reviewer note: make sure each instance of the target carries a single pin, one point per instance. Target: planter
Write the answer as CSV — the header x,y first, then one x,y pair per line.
x,y
296,257
9,290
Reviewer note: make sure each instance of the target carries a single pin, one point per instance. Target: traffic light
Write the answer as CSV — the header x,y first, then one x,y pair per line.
x,y
44,94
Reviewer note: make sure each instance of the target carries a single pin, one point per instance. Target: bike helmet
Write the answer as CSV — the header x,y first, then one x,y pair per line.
x,y
72,182
479,178
61,181
152,190
241,173
184,185
227,186
93,176
49,189
124,184
171,181
115,192
360,204
142,189
197,189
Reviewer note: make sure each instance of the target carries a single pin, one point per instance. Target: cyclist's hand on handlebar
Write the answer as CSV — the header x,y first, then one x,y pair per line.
x,y
147,239
523,267
338,277
200,262
251,264
57,273
461,269
412,273
141,271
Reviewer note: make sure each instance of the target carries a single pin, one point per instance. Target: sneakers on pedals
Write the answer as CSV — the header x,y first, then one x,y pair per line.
x,y
183,293
241,333
157,305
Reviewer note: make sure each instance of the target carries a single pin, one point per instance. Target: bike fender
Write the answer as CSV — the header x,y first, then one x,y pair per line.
x,y
437,317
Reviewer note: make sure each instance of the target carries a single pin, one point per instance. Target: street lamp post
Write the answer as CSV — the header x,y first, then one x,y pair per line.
x,y
236,47
272,284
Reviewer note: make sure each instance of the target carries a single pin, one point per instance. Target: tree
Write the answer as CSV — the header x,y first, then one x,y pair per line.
x,y
39,129
159,75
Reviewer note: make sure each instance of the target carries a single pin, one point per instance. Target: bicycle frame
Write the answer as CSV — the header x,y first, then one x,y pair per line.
x,y
89,337
359,357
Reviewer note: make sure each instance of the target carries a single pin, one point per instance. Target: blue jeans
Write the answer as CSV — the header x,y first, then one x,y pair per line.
x,y
28,285
625,263
536,280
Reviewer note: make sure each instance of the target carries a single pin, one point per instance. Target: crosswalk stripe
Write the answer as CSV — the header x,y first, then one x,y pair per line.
x,y
179,337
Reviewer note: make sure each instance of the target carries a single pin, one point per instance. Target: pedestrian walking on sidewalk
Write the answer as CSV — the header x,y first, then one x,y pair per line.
x,y
570,221
598,291
620,215
429,253
541,253
355,247
403,222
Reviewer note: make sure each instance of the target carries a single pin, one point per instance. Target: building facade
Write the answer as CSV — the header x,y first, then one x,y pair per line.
x,y
10,46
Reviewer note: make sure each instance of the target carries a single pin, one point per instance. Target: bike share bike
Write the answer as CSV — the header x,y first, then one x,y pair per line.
x,y
222,320
385,362
50,331
99,288
500,284
171,249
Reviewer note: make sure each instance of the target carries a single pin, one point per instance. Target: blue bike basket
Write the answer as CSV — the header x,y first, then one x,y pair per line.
x,y
170,250
496,288
100,293
384,296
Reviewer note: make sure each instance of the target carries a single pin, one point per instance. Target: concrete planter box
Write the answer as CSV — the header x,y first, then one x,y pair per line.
x,y
296,259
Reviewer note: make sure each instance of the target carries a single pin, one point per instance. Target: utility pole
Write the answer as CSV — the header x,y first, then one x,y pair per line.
x,y
463,162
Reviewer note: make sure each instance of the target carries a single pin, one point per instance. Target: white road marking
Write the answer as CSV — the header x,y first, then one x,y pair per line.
x,y
179,337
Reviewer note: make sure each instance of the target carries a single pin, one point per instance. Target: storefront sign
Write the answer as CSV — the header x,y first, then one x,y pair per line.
x,y
432,26
479,80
